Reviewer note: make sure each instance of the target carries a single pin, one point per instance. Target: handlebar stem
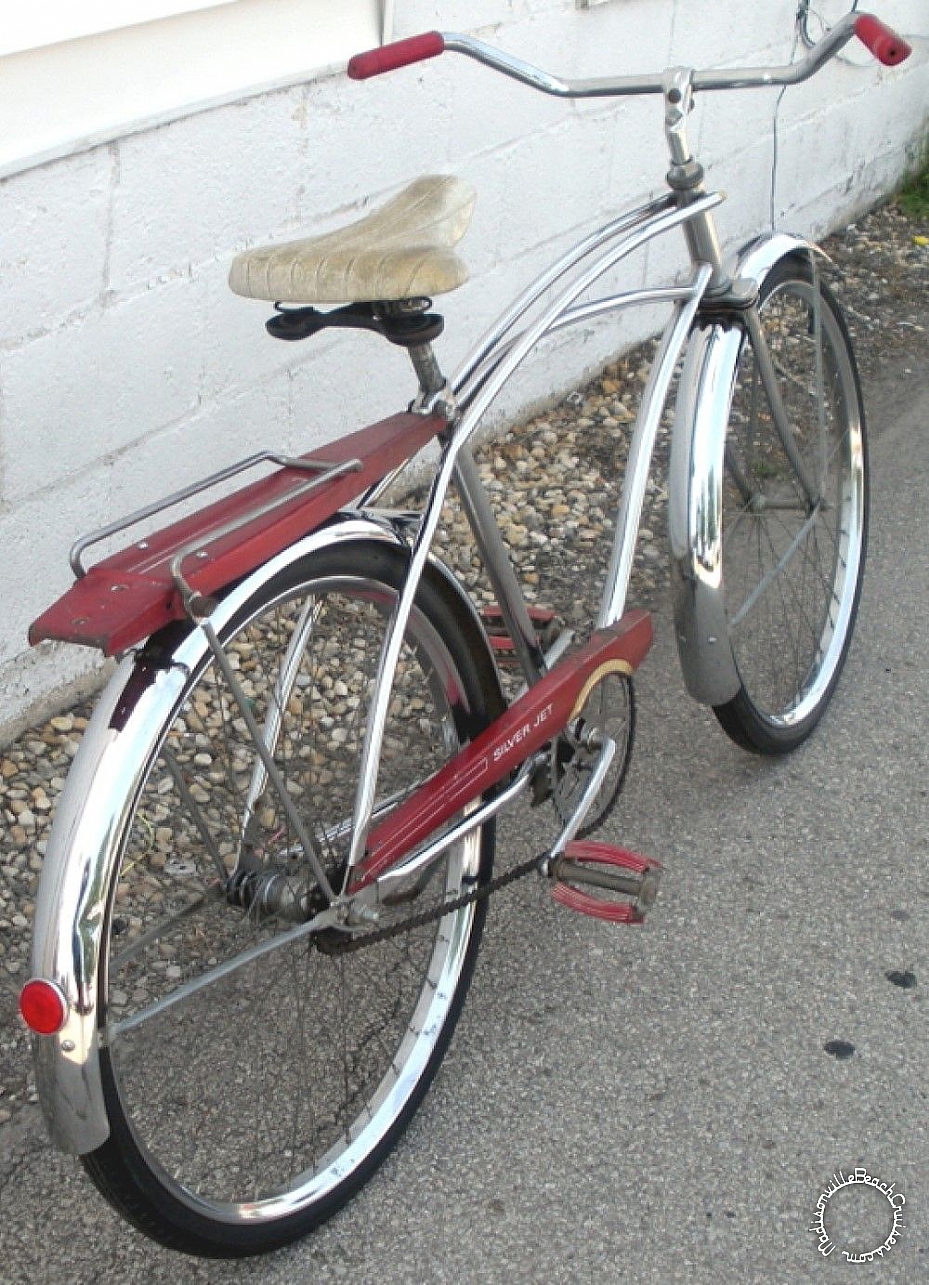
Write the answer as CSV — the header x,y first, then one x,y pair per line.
x,y
678,97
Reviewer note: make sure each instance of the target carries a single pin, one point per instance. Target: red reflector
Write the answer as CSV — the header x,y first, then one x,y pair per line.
x,y
43,1007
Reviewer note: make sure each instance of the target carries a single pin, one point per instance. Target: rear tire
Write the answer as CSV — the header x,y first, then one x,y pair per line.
x,y
244,1113
792,566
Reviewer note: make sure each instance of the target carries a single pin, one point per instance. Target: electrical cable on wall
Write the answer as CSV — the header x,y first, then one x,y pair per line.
x,y
805,12
798,35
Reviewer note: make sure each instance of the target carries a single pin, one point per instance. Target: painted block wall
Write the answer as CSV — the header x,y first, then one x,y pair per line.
x,y
127,367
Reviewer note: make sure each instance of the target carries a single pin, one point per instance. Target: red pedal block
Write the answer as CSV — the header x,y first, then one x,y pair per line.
x,y
614,870
500,640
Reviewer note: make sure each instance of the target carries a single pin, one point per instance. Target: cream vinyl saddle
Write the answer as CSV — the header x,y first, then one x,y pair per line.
x,y
404,250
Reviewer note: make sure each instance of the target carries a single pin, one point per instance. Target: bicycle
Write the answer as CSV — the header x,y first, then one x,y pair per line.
x,y
286,797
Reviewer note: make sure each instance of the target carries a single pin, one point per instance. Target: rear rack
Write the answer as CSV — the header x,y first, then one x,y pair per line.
x,y
171,574
323,470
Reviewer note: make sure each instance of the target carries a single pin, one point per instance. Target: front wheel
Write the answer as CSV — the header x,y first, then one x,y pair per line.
x,y
794,512
253,1081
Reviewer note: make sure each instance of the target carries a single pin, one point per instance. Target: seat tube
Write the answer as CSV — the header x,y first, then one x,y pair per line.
x,y
498,566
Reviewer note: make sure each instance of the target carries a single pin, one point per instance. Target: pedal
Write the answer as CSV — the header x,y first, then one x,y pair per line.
x,y
613,870
545,622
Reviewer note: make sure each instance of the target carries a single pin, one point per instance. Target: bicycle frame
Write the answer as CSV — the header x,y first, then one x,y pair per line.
x,y
473,390
85,841
477,384
710,669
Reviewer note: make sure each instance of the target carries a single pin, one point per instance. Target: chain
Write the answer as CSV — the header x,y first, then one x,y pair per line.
x,y
333,943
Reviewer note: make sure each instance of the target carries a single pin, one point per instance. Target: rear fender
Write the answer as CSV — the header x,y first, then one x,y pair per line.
x,y
90,824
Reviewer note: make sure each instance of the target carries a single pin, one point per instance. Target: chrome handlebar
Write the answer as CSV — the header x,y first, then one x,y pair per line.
x,y
883,43
610,86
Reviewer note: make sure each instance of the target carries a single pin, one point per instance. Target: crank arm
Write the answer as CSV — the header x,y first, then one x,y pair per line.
x,y
601,767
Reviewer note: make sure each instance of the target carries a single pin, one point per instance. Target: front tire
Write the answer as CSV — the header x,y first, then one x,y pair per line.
x,y
794,519
245,1111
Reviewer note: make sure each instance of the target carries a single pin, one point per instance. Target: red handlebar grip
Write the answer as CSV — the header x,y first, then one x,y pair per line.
x,y
885,44
399,54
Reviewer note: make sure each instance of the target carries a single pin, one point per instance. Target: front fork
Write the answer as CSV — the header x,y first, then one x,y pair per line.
x,y
738,296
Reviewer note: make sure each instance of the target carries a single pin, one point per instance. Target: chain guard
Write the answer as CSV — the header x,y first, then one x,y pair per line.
x,y
610,707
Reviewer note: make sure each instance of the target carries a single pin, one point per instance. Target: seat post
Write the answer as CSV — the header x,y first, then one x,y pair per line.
x,y
430,377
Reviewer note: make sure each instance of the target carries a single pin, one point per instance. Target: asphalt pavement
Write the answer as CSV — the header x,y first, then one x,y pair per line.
x,y
658,1104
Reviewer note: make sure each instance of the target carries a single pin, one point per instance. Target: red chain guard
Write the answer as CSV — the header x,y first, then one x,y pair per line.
x,y
539,715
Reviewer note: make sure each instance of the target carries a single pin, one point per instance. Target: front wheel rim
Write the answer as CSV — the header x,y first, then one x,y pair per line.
x,y
836,523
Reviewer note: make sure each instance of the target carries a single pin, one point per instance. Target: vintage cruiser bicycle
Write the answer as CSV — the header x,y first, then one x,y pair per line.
x,y
267,879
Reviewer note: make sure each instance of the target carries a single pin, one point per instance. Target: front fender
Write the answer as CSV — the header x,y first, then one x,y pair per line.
x,y
695,490
85,841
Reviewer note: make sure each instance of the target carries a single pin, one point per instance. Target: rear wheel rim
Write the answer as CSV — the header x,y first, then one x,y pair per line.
x,y
274,1115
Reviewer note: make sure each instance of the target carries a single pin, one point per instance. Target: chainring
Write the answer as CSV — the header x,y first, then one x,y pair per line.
x,y
609,708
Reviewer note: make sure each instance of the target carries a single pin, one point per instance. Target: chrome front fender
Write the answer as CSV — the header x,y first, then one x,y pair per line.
x,y
695,490
85,841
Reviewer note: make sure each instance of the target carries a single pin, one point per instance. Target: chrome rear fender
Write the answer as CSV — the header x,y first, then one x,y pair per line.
x,y
695,489
88,832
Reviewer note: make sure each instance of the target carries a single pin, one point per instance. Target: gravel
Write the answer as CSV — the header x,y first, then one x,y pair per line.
x,y
552,481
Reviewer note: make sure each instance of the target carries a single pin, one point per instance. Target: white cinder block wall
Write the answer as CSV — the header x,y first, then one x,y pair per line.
x,y
126,366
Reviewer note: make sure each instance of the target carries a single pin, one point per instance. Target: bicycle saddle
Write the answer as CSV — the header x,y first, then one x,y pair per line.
x,y
401,251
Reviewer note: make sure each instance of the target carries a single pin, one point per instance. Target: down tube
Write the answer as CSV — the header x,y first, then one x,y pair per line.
x,y
651,407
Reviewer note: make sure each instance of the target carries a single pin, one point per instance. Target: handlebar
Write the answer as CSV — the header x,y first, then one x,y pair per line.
x,y
884,44
400,53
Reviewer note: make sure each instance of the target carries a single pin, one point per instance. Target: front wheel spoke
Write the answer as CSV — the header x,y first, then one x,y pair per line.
x,y
768,579
811,564
814,565
789,589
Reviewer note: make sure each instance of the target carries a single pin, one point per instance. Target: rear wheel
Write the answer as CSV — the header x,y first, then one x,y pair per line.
x,y
251,1091
794,517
